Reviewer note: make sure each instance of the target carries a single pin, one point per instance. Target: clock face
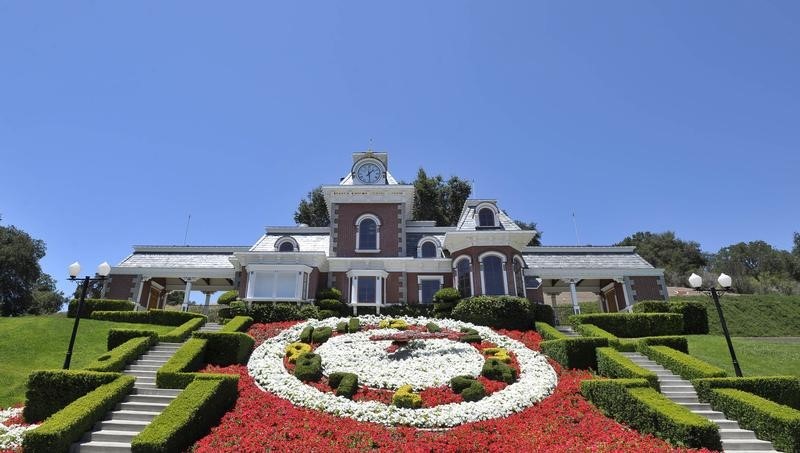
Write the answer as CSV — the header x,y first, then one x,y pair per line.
x,y
369,173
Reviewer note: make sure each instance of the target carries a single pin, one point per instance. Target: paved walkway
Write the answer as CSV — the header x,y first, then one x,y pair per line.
x,y
115,432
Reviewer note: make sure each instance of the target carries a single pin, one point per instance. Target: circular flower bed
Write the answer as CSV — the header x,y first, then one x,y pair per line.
x,y
12,428
536,378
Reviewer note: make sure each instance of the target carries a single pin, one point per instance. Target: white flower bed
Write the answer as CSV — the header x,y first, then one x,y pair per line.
x,y
536,381
432,363
11,435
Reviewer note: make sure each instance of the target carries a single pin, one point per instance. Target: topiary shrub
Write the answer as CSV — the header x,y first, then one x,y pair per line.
x,y
49,391
305,334
574,352
329,293
780,389
274,312
321,334
398,324
544,313
353,325
651,306
295,350
228,296
433,327
118,358
496,370
499,312
611,363
238,324
695,316
548,332
633,325
346,384
405,398
472,335
308,367
330,304
468,387
117,337
444,301
341,327
325,314
309,312
459,383
92,305
226,348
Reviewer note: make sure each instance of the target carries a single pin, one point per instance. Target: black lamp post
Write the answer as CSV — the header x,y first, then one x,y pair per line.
x,y
725,282
102,272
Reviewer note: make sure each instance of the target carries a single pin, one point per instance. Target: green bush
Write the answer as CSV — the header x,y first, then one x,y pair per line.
x,y
651,306
472,335
309,312
49,391
686,366
92,305
238,324
177,372
632,402
447,295
183,331
117,337
159,317
499,312
474,392
574,352
590,330
412,310
308,367
548,332
544,313
611,363
325,314
118,358
459,383
305,334
771,421
353,325
404,397
228,296
346,384
695,316
496,370
675,342
226,348
780,389
341,327
274,312
433,327
329,293
331,304
321,334
188,417
234,309
69,424
633,325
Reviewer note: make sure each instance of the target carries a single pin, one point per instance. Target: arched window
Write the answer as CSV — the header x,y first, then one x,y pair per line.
x,y
486,217
519,277
286,244
494,283
464,277
368,235
286,247
428,250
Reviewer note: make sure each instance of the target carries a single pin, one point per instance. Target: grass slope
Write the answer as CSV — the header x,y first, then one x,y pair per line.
x,y
40,342
753,315
757,356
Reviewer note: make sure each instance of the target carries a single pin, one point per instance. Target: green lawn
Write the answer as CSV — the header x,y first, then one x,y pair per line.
x,y
753,315
40,342
757,356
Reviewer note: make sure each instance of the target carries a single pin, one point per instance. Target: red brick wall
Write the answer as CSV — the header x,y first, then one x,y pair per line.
x,y
535,295
347,215
392,295
243,283
475,252
145,293
412,287
647,288
120,287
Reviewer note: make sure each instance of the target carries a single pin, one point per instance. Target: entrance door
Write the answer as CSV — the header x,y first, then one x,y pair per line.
x,y
611,301
152,301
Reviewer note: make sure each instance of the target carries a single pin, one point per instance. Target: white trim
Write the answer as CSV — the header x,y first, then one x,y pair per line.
x,y
390,264
300,272
592,273
514,260
367,273
477,214
284,240
503,264
377,221
364,161
420,278
436,244
471,273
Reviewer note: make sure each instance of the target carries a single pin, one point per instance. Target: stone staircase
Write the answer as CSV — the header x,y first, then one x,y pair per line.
x,y
567,330
134,413
682,392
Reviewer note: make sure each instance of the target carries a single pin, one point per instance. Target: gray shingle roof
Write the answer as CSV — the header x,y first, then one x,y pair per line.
x,y
306,242
577,260
178,260
468,219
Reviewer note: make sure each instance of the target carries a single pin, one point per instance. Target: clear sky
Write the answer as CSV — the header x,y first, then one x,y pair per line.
x,y
119,119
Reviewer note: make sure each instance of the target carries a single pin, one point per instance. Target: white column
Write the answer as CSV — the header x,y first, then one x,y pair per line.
x,y
626,289
208,301
505,277
186,292
378,294
576,308
553,302
353,290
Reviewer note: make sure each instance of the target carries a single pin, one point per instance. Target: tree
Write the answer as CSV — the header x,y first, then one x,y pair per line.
x,y
796,248
756,266
435,199
94,291
677,257
313,211
537,239
46,297
175,298
19,269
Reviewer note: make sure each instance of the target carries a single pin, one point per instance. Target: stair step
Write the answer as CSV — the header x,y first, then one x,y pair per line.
x,y
142,406
736,433
154,363
162,392
146,379
678,388
684,399
145,386
714,416
110,436
746,444
696,406
144,374
124,414
135,426
158,399
100,446
726,424
149,368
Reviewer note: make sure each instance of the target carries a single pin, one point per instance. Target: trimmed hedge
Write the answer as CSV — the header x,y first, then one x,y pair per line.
x,y
226,348
118,358
444,301
499,312
309,312
677,343
590,330
49,391
780,389
346,384
69,424
544,313
574,352
92,305
611,363
633,325
680,363
695,315
412,310
183,331
353,325
117,337
308,367
632,402
188,417
160,317
329,293
548,332
274,312
321,334
651,306
228,296
177,372
237,324
496,370
771,421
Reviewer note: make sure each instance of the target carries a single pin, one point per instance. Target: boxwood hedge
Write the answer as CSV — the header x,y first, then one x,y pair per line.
x,y
780,389
238,324
117,337
499,312
633,325
49,391
118,358
160,317
92,305
686,366
695,315
548,332
611,363
177,373
574,352
226,348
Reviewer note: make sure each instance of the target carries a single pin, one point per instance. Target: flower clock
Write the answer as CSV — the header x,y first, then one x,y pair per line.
x,y
407,371
12,428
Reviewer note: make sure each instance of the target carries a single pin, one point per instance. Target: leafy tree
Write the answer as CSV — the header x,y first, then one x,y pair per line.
x,y
46,297
94,291
537,240
796,248
313,211
175,298
19,269
679,258
758,267
439,200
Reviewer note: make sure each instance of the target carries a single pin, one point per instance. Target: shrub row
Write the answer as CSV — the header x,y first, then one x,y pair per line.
x,y
772,421
238,324
574,352
188,417
117,337
680,363
632,402
672,341
499,312
611,363
412,310
346,384
183,331
695,315
548,332
633,325
49,391
69,424
632,344
468,387
591,330
226,348
91,305
177,372
118,358
780,389
159,317
544,313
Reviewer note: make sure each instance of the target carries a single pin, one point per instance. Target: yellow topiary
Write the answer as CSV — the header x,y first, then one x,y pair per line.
x,y
500,354
398,324
295,350
405,398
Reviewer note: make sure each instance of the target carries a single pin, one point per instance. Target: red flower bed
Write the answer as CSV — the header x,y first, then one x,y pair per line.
x,y
563,422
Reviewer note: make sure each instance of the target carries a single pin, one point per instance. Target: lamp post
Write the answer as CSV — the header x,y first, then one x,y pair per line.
x,y
102,272
724,281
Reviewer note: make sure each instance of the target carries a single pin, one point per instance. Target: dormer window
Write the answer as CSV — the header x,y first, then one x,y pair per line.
x,y
286,247
486,217
368,234
428,247
286,244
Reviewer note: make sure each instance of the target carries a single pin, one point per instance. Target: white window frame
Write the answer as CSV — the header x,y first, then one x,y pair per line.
x,y
435,242
420,279
518,259
256,271
471,273
504,265
494,210
377,221
380,285
284,240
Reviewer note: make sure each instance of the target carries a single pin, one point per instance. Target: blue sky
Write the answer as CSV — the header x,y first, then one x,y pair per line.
x,y
118,120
